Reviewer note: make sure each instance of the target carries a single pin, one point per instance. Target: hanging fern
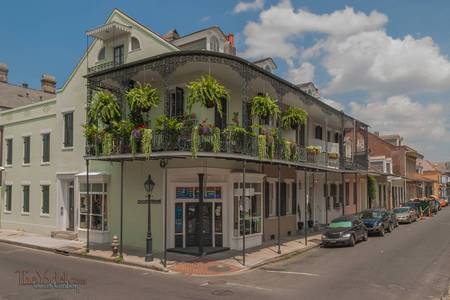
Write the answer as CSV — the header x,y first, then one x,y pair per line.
x,y
195,141
104,107
207,91
262,147
271,148
264,106
216,140
142,98
107,144
286,149
293,117
146,142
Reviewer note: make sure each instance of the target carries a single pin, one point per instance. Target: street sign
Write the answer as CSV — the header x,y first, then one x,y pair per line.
x,y
145,201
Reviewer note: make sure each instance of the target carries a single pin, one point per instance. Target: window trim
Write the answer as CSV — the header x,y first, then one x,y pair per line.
x,y
130,49
105,198
46,163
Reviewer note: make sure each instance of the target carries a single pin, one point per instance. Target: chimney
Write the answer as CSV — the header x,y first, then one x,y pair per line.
x,y
229,47
48,84
3,72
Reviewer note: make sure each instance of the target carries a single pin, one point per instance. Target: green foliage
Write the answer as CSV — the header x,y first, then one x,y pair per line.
x,y
216,140
135,137
372,187
104,107
142,98
168,124
146,142
313,150
271,148
207,91
287,149
264,106
293,117
195,141
123,128
107,144
262,146
235,132
91,132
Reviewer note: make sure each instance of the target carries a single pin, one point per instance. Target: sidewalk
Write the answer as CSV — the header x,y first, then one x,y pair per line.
x,y
223,263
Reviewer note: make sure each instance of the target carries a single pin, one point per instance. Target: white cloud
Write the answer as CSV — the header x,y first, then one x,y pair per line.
x,y
305,73
205,19
245,6
355,50
425,126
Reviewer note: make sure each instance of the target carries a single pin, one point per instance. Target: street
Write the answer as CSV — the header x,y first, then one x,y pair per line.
x,y
413,262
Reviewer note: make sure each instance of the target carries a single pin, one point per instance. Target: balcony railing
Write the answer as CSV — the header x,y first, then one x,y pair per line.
x,y
101,67
246,145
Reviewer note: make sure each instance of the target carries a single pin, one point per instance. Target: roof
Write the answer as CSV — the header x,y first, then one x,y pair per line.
x,y
205,29
12,95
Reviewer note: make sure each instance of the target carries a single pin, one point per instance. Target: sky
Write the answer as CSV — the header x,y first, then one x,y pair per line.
x,y
385,62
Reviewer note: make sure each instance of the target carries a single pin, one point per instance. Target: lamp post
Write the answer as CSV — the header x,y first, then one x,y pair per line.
x,y
149,184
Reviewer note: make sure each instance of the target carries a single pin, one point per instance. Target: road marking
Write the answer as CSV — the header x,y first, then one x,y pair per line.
x,y
236,285
294,273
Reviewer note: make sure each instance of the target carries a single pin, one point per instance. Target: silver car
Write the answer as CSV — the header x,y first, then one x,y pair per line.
x,y
405,214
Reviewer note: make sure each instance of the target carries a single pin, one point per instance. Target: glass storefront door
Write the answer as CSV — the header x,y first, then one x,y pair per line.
x,y
198,215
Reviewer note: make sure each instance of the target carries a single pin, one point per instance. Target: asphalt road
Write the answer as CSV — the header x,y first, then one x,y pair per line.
x,y
411,263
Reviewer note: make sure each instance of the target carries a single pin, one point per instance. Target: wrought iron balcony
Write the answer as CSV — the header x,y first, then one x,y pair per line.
x,y
101,67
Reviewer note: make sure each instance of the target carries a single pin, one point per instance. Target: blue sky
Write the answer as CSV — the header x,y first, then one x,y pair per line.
x,y
48,37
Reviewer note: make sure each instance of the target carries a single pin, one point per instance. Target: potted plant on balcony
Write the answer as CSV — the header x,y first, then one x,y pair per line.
x,y
107,144
170,128
262,146
195,141
141,99
93,134
287,149
135,139
216,141
208,92
146,142
122,131
293,118
313,152
333,155
104,108
263,106
235,136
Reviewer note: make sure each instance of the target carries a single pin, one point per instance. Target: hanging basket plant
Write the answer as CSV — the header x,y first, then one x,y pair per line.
x,y
107,144
93,135
208,92
263,106
262,146
195,141
287,149
104,107
293,118
315,150
333,155
135,139
142,98
146,142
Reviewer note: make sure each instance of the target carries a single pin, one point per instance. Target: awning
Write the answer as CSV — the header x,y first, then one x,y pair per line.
x,y
109,31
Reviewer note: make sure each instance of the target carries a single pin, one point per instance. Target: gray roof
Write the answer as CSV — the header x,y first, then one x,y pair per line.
x,y
16,95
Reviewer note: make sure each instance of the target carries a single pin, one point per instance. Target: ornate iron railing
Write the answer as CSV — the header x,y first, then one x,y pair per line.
x,y
101,67
244,145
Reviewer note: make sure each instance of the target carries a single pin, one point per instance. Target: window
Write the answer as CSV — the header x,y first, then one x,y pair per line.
x,y
388,168
253,209
8,198
46,147
134,44
214,44
25,199
98,206
221,120
355,193
68,129
333,195
118,55
45,208
176,108
9,151
318,134
101,54
328,136
336,137
26,149
347,193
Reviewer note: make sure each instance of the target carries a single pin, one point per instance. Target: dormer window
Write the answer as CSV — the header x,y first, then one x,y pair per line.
x,y
101,54
214,44
134,44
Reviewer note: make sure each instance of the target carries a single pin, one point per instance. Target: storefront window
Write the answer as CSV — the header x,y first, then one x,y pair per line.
x,y
99,206
248,208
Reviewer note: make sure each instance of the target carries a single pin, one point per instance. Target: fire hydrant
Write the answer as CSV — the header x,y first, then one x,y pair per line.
x,y
115,245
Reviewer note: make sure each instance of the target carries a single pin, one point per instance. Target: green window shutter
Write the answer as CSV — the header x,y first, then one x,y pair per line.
x,y
26,198
45,199
283,199
294,198
46,147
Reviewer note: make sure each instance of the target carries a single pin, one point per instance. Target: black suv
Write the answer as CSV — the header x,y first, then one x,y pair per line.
x,y
377,220
347,230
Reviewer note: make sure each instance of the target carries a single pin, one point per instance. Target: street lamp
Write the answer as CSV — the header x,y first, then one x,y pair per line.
x,y
149,184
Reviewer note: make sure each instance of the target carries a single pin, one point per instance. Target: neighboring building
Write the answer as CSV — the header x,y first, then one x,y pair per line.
x,y
439,173
47,190
310,88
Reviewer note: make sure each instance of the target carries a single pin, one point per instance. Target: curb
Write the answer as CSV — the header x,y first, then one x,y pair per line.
x,y
82,255
284,256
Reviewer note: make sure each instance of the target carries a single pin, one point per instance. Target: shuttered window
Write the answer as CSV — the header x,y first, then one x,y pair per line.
x,y
247,121
294,198
8,198
9,151
26,199
176,105
283,199
347,193
26,149
68,129
45,209
46,147
267,197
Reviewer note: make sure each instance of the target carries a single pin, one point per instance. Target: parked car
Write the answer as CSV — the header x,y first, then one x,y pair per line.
x,y
443,202
347,230
377,221
394,221
416,205
434,205
405,214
